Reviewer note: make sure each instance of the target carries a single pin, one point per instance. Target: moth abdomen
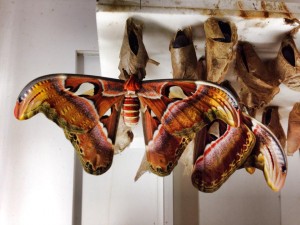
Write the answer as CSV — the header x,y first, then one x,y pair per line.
x,y
131,110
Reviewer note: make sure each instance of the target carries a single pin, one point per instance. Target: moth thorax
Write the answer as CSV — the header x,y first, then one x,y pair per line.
x,y
131,110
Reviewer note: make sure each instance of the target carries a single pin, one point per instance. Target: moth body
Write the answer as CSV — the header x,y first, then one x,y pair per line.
x,y
131,110
131,104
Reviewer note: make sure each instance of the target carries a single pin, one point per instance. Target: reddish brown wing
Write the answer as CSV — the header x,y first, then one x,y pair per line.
x,y
163,149
185,107
86,107
267,155
222,157
173,111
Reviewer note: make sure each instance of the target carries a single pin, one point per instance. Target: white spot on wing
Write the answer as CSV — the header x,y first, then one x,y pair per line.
x,y
105,133
86,89
177,92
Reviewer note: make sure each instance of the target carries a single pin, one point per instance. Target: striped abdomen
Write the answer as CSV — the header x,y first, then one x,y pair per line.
x,y
131,110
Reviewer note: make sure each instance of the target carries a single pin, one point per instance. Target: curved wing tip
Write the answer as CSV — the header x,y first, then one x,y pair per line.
x,y
278,183
16,111
18,115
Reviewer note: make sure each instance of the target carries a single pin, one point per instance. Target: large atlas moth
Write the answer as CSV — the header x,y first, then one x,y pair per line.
x,y
173,111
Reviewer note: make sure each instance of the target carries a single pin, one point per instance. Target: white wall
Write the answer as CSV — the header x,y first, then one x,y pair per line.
x,y
36,161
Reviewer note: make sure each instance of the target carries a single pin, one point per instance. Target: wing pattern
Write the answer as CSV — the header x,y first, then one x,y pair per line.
x,y
89,110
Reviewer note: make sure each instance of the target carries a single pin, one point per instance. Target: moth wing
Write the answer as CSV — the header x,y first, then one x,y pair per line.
x,y
163,149
184,107
221,157
174,111
267,155
87,108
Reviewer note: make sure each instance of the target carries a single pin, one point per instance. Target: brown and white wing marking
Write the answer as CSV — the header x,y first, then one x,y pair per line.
x,y
174,111
267,155
87,108
205,104
222,157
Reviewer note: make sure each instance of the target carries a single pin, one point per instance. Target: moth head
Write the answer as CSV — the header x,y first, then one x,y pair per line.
x,y
132,84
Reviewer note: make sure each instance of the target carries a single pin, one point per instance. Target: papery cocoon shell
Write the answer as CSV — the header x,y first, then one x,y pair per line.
x,y
287,63
258,87
293,134
183,56
221,37
271,119
133,54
